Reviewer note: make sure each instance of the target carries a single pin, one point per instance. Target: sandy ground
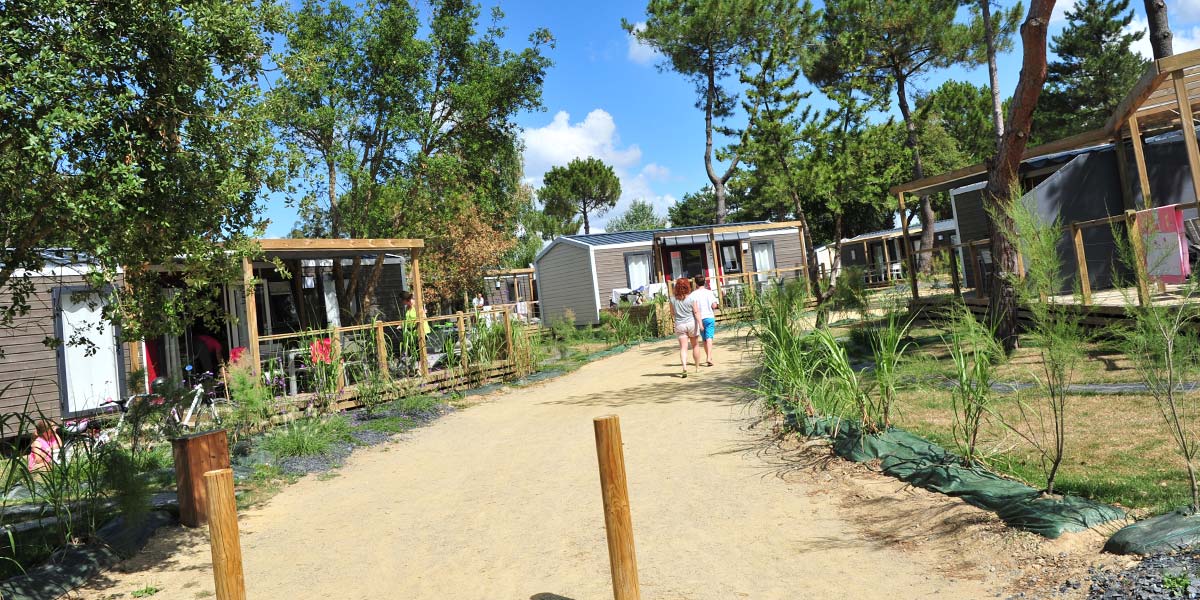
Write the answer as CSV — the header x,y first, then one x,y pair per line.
x,y
502,501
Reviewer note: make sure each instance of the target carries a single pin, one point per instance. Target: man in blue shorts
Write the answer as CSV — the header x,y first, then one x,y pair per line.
x,y
708,318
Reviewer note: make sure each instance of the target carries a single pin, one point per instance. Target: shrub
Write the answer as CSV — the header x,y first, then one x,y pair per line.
x,y
308,437
975,354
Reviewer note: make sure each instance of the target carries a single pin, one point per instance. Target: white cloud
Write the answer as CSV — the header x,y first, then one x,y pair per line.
x,y
655,171
642,54
1059,13
560,141
1186,10
1183,38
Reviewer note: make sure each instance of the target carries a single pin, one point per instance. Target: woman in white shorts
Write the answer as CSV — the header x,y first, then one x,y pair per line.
x,y
687,321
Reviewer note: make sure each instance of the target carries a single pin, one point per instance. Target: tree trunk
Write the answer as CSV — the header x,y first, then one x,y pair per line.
x,y
1160,28
717,181
1003,171
587,226
993,74
927,215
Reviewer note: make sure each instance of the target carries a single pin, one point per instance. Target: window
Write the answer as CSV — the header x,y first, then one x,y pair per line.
x,y
853,255
637,270
764,259
731,259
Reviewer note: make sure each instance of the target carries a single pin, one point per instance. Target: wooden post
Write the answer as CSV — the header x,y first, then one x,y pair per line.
x,y
462,340
975,270
887,260
339,365
1085,284
954,279
1139,157
716,278
419,306
381,351
1123,173
223,535
808,291
251,314
297,284
1189,129
613,488
508,343
912,264
867,261
194,456
1139,254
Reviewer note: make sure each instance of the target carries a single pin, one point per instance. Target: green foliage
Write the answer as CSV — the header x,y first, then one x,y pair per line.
x,y
1176,583
307,437
145,592
964,111
639,217
699,208
1094,69
789,379
138,124
1161,342
252,402
585,187
1056,333
622,326
975,353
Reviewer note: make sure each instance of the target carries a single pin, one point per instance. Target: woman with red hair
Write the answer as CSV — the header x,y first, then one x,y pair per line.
x,y
687,320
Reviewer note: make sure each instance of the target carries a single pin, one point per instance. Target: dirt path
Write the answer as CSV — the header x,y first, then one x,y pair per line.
x,y
501,501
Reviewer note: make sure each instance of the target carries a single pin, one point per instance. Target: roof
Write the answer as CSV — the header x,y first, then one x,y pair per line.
x,y
1150,107
944,225
646,235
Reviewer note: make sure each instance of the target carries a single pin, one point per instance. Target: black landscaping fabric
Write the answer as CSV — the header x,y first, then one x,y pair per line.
x,y
924,464
1176,530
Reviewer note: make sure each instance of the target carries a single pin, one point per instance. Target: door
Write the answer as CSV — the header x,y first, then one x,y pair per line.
x,y
637,270
764,259
90,355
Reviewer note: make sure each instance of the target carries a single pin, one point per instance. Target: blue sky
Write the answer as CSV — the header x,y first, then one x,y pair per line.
x,y
604,97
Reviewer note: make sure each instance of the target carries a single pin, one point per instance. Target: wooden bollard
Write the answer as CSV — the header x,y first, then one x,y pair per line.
x,y
223,535
617,522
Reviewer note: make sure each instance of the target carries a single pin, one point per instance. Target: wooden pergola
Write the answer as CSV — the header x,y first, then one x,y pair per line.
x,y
713,243
1164,99
323,249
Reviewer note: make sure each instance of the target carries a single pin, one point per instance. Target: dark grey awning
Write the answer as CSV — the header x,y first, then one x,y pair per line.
x,y
691,240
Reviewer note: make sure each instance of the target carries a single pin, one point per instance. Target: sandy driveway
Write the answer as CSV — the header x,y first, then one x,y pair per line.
x,y
502,501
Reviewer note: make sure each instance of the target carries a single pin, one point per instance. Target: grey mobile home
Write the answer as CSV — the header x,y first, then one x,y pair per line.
x,y
586,273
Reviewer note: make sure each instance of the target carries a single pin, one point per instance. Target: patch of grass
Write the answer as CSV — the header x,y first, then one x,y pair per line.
x,y
417,404
389,424
266,481
308,437
145,592
1176,583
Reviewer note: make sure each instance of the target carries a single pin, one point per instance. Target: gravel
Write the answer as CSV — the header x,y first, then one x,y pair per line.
x,y
1150,579
302,465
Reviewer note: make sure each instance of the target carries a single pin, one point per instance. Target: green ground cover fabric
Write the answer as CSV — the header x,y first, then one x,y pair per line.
x,y
924,464
1176,530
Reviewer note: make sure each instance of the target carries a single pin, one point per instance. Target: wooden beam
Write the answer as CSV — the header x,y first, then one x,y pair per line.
x,y
1123,175
507,272
1085,283
1189,131
1146,85
952,254
1179,61
1139,157
419,306
887,260
976,275
251,313
912,263
332,245
1133,226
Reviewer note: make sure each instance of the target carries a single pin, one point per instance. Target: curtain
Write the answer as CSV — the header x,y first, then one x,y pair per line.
x,y
764,260
637,267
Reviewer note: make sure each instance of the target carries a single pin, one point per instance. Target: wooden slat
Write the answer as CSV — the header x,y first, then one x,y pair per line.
x,y
1189,131
332,245
1146,85
1175,62
1139,157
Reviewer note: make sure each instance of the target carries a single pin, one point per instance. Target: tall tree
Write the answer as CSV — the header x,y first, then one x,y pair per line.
x,y
133,136
534,229
586,187
1160,28
707,42
964,111
889,44
399,127
1096,66
640,216
771,146
997,30
1000,192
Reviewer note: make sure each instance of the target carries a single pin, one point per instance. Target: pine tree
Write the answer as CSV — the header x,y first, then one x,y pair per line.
x,y
1095,68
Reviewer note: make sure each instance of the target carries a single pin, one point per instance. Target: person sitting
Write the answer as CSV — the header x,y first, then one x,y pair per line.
x,y
43,452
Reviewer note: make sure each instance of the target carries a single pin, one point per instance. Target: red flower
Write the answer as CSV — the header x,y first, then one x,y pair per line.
x,y
322,351
236,353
